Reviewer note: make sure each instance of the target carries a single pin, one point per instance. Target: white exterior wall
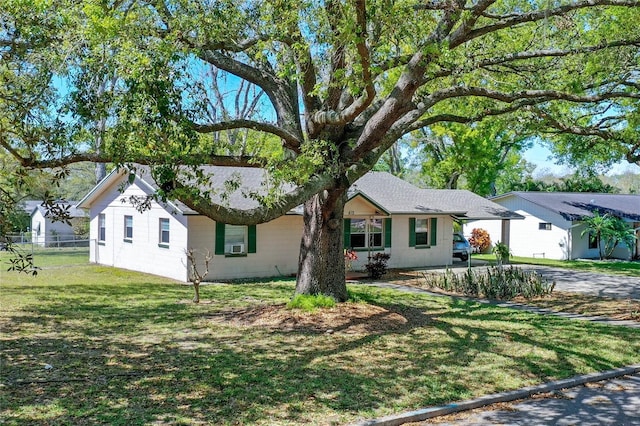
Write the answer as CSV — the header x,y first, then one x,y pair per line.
x,y
49,230
143,252
38,228
277,249
403,256
526,238
563,241
493,227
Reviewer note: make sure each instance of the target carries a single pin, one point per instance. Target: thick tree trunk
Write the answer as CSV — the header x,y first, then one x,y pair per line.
x,y
321,265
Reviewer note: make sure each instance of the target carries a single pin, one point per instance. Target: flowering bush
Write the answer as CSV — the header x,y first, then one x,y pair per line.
x,y
480,240
349,257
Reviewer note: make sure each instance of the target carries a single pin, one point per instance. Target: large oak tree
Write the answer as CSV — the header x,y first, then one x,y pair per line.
x,y
313,91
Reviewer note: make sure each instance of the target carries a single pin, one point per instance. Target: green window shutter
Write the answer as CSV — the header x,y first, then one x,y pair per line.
x,y
219,238
412,232
251,239
387,232
434,231
347,233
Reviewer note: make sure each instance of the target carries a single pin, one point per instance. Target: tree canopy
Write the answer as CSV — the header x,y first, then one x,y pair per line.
x,y
314,92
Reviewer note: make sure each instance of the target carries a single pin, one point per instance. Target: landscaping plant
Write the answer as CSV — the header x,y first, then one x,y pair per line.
x,y
502,253
494,283
377,265
480,240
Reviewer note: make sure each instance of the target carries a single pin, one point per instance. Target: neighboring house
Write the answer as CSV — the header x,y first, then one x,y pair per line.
x,y
47,232
383,213
552,226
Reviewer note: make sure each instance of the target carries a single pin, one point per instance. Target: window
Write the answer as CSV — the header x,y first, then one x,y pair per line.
x,y
358,228
364,233
164,231
128,228
102,227
544,226
234,240
423,232
593,241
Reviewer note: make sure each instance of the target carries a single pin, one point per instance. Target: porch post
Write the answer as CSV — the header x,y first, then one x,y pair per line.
x,y
506,232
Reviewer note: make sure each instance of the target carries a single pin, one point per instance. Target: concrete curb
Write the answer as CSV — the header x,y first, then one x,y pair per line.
x,y
527,392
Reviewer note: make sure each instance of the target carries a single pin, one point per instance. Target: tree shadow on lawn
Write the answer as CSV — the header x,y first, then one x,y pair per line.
x,y
167,362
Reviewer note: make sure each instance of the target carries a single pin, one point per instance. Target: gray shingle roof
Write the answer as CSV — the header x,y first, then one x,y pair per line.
x,y
392,194
574,205
400,197
73,210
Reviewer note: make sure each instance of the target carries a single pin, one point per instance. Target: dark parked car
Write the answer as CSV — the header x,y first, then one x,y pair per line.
x,y
461,246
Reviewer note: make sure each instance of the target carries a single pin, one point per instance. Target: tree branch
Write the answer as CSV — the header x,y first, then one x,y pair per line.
x,y
233,216
542,53
291,141
508,21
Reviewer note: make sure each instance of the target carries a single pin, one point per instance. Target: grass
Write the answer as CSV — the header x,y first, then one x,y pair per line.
x,y
129,348
618,267
51,257
310,303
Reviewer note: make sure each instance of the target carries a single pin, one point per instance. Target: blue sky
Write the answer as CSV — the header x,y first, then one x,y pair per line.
x,y
542,158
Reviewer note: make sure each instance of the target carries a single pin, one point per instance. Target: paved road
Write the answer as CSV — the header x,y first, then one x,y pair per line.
x,y
613,402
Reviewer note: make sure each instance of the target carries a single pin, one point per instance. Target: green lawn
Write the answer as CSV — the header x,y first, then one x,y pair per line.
x,y
630,269
129,348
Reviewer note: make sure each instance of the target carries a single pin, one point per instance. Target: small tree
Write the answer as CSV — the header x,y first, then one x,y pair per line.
x,y
480,240
194,275
608,231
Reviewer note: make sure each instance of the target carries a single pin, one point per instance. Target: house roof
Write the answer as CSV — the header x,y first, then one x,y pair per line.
x,y
387,192
400,197
29,205
576,205
74,211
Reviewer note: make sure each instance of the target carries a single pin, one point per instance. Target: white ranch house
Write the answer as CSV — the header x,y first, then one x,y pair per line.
x,y
48,232
383,213
551,227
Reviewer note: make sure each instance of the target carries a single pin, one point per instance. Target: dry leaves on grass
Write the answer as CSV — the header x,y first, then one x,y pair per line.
x,y
351,318
617,309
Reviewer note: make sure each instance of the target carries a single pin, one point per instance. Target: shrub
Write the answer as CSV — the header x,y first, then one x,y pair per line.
x,y
480,240
311,302
377,265
502,253
494,283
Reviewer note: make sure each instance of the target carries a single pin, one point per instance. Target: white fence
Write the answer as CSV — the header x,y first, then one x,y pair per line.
x,y
53,240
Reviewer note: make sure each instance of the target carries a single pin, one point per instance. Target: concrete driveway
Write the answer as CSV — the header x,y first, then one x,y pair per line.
x,y
597,284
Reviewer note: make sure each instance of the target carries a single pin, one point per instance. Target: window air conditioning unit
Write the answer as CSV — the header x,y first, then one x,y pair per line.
x,y
237,248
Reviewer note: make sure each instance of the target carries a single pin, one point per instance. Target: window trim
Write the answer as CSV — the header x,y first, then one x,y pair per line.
x,y
250,240
385,236
432,232
161,232
102,228
127,238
